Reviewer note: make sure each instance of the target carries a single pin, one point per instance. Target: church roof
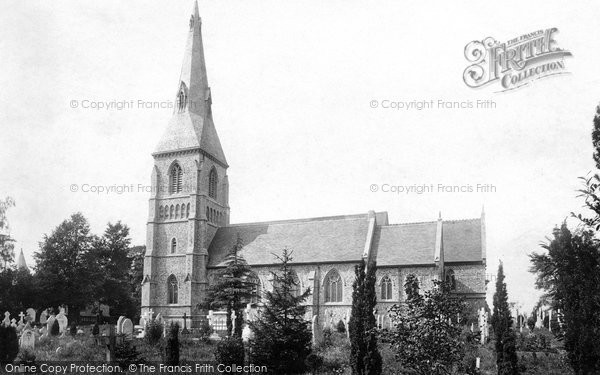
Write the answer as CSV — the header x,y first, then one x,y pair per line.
x,y
326,239
342,239
21,263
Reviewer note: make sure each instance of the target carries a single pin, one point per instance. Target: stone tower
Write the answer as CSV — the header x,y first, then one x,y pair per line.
x,y
189,198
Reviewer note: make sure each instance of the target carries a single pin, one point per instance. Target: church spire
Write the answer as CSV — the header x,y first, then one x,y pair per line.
x,y
21,264
191,126
193,92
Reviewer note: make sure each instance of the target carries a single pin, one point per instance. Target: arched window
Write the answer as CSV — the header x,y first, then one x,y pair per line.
x,y
172,289
160,212
173,246
386,288
451,279
187,211
207,212
255,282
182,94
213,180
176,211
171,211
176,176
333,287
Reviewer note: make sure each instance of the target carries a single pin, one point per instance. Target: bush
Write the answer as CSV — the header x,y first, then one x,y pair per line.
x,y
126,354
205,330
96,329
341,327
73,329
313,362
230,351
9,344
327,337
172,347
26,357
154,332
55,329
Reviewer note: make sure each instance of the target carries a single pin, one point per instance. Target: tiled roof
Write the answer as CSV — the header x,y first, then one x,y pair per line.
x,y
462,240
342,238
328,239
405,244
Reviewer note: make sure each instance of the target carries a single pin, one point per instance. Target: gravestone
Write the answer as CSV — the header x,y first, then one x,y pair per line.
x,y
31,314
63,322
13,322
6,321
21,316
119,323
49,324
246,333
159,319
127,329
27,340
44,317
143,323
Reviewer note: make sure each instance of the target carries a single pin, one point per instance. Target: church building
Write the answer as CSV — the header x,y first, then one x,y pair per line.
x,y
189,233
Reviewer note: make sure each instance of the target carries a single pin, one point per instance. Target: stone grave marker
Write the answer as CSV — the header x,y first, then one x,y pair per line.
x,y
44,317
6,321
49,324
21,316
31,314
127,329
119,324
27,340
63,322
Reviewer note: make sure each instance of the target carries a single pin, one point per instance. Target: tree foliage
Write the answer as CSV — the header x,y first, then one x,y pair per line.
x,y
502,324
569,271
7,247
427,336
281,335
233,289
365,358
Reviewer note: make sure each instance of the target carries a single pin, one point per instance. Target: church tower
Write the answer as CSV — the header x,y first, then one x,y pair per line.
x,y
189,198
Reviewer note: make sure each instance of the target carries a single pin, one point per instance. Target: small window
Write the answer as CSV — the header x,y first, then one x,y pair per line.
x,y
176,176
255,293
333,287
173,246
172,290
213,180
386,288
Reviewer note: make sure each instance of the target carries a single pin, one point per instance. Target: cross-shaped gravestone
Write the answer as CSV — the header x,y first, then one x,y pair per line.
x,y
21,315
185,330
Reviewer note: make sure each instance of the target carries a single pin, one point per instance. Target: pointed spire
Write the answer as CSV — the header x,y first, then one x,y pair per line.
x,y
440,215
21,263
192,126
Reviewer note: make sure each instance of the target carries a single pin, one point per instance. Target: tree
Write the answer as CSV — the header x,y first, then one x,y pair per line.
x,y
136,274
568,271
111,255
233,290
506,352
65,271
7,247
364,354
427,336
172,346
282,337
596,137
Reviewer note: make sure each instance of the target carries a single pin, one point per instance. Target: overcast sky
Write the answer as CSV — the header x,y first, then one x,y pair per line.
x,y
292,84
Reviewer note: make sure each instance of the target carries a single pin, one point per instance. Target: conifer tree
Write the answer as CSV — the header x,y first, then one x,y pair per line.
x,y
506,354
281,335
364,354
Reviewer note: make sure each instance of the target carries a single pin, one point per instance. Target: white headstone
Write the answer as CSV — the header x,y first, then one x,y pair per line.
x,y
246,333
13,322
44,317
31,314
21,316
159,318
6,321
50,323
127,329
27,340
143,323
63,322
119,323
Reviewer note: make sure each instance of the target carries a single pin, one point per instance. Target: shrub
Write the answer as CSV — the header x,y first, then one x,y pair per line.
x,y
230,351
9,344
205,330
327,337
73,329
172,347
154,332
96,329
55,329
26,357
313,362
126,354
341,327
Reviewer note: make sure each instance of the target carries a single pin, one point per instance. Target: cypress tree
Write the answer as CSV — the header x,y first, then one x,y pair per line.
x,y
172,347
506,354
364,354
